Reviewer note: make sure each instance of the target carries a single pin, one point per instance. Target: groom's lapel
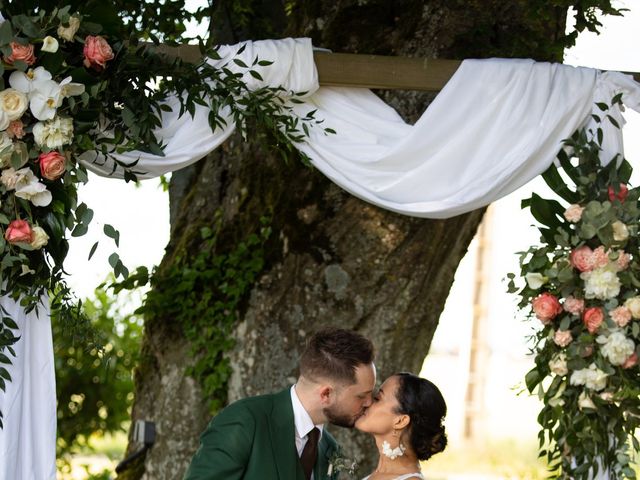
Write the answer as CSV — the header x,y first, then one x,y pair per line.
x,y
283,435
322,464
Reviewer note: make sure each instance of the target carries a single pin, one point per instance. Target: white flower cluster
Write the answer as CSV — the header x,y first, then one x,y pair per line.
x,y
616,347
591,377
602,283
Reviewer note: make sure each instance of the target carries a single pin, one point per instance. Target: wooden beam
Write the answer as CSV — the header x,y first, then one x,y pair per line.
x,y
367,71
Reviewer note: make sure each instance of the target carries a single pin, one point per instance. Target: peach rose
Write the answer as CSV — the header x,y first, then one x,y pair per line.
x,y
21,52
631,361
621,315
19,231
573,305
52,165
15,129
97,52
573,214
582,258
600,257
546,307
593,318
623,191
562,338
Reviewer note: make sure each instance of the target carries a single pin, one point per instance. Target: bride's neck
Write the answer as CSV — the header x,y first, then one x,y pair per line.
x,y
406,463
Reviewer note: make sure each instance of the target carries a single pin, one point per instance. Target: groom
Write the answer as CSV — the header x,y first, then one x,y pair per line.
x,y
281,436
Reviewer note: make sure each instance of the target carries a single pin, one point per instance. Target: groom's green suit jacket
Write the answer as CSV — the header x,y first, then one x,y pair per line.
x,y
254,439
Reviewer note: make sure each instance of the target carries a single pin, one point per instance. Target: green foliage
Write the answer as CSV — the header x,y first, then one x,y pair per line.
x,y
95,386
203,295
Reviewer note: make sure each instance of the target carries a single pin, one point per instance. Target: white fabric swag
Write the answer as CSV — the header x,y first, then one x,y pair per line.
x,y
496,125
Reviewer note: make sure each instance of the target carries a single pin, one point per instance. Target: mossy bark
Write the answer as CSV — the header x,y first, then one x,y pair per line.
x,y
333,259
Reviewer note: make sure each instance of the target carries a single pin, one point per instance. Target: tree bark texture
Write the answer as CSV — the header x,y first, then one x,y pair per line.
x,y
332,259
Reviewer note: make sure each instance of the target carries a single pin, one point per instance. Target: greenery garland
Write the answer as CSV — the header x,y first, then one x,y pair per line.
x,y
65,78
583,287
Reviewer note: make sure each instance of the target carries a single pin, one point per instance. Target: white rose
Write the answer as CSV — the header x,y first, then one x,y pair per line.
x,y
558,364
53,133
49,44
535,280
579,377
6,150
67,33
633,304
616,347
620,231
40,238
601,283
9,178
596,378
584,401
13,103
607,396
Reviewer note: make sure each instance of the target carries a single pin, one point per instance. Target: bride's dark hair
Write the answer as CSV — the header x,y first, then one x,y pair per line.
x,y
423,402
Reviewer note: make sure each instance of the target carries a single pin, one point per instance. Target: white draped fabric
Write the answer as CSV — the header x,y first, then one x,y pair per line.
x,y
28,440
496,125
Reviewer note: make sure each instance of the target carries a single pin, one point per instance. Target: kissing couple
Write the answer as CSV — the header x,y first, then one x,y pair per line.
x,y
283,436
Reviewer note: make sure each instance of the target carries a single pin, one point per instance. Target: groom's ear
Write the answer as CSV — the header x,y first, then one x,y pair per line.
x,y
326,392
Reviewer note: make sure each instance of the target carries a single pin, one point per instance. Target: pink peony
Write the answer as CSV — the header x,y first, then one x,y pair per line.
x,y
593,318
562,338
19,231
621,315
582,258
97,52
52,165
621,195
546,307
21,52
573,305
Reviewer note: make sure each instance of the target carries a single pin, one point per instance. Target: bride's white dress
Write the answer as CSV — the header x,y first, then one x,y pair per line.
x,y
403,477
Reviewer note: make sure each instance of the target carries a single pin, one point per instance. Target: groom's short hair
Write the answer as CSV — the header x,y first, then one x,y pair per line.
x,y
335,353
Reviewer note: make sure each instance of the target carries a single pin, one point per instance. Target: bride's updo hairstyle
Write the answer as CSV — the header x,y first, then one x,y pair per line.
x,y
423,402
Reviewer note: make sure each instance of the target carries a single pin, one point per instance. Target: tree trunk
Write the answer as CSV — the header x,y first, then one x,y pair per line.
x,y
331,259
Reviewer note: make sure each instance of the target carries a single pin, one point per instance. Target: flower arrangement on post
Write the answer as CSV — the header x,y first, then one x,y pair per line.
x,y
583,287
69,84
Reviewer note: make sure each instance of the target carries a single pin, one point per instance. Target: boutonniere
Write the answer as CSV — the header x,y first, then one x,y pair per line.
x,y
339,464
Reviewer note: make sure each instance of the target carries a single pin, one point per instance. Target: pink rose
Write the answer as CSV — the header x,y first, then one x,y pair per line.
x,y
19,231
52,165
21,52
573,214
562,338
631,361
621,195
546,307
623,260
582,258
593,318
97,52
621,315
573,305
15,129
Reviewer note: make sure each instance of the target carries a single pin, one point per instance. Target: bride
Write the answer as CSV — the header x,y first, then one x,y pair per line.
x,y
405,419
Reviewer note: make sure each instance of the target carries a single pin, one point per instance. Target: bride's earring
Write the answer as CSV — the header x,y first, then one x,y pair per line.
x,y
392,453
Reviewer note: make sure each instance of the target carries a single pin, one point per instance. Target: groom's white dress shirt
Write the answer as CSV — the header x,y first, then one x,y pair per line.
x,y
303,423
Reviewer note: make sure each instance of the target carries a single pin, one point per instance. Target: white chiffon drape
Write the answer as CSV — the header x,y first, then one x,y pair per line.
x,y
496,125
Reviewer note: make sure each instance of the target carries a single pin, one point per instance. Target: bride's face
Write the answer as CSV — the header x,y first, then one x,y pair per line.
x,y
380,417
